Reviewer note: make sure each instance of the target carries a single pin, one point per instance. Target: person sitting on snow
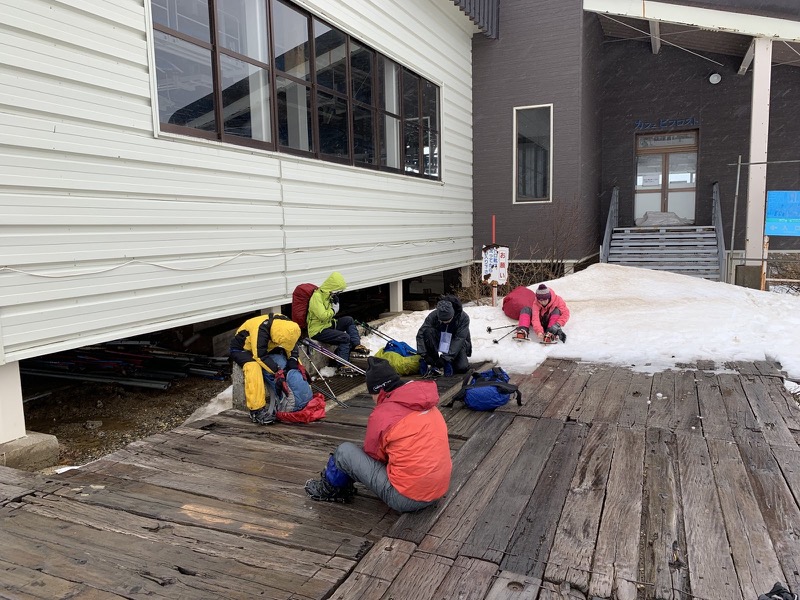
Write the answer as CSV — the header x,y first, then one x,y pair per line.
x,y
444,341
266,349
551,315
405,458
323,306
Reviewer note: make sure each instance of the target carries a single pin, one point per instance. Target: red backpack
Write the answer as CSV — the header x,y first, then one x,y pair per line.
x,y
300,297
519,298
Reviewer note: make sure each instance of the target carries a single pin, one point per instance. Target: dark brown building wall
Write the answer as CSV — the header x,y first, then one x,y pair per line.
x,y
538,59
641,86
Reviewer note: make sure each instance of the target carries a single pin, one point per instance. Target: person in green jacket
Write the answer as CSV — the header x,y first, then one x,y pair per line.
x,y
325,327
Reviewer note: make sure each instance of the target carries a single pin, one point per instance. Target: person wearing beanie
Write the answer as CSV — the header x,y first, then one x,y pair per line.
x,y
405,458
444,341
551,315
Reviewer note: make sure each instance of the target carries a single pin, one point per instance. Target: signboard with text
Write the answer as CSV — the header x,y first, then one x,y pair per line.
x,y
783,213
495,264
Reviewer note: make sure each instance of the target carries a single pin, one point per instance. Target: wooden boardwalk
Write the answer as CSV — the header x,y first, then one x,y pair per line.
x,y
606,483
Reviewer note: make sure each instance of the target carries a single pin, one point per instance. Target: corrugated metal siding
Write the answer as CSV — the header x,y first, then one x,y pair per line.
x,y
108,231
484,13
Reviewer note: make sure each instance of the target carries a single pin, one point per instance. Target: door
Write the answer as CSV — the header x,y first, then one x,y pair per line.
x,y
666,174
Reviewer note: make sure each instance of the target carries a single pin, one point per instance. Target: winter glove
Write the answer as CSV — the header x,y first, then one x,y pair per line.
x,y
439,363
554,329
334,297
291,364
280,383
335,307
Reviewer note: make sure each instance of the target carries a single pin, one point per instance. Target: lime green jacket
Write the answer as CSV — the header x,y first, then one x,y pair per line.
x,y
320,314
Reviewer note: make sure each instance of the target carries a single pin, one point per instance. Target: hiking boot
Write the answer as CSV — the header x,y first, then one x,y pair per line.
x,y
521,333
262,416
433,373
321,490
347,372
360,350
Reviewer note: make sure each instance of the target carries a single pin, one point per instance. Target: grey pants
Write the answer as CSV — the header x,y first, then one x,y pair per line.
x,y
372,473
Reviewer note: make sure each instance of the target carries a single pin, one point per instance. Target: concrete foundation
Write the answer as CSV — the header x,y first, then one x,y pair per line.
x,y
33,452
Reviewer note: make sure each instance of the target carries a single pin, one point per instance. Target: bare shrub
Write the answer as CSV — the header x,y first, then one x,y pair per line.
x,y
784,266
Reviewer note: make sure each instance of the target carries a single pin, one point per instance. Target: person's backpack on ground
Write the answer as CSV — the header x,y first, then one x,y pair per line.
x,y
487,390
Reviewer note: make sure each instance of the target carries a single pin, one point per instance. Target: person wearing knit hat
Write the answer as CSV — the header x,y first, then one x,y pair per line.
x,y
444,340
405,458
552,314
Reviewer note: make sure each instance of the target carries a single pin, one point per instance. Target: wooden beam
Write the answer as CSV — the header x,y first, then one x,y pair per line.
x,y
748,57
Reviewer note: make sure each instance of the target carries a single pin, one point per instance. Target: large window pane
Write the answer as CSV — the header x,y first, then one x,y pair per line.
x,y
410,95
185,84
361,67
242,26
294,114
290,28
363,135
245,99
390,142
332,123
186,16
330,50
682,170
533,153
389,85
411,140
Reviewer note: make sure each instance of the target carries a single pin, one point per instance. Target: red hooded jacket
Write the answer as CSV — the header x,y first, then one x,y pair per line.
x,y
408,433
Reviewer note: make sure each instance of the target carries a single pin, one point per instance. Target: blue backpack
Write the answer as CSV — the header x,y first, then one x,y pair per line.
x,y
487,390
401,348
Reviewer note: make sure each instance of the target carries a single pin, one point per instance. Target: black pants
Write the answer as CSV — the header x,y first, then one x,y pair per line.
x,y
459,362
344,335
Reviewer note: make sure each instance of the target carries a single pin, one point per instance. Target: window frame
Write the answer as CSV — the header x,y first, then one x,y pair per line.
x,y
378,114
515,157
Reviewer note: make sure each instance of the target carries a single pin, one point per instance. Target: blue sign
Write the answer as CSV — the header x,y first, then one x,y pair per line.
x,y
783,214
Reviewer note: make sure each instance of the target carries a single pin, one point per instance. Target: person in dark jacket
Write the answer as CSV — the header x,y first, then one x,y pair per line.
x,y
266,349
444,341
405,458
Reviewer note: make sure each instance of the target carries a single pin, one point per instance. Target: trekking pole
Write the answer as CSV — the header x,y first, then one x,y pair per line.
x,y
379,333
497,341
325,381
489,329
332,355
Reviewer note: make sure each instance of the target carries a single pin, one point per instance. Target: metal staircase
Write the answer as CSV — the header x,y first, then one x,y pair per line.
x,y
686,249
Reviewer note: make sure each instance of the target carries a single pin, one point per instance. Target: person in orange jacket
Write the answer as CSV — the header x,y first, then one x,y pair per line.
x,y
405,458
551,315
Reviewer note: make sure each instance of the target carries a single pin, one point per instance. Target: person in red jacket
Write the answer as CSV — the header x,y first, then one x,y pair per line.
x,y
552,315
405,458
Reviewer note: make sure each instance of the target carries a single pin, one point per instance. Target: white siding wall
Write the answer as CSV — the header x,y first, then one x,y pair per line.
x,y
107,230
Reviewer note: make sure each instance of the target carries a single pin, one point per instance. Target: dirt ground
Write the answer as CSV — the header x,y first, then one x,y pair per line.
x,y
91,420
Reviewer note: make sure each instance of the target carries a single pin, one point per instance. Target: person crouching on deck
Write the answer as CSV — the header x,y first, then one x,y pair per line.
x,y
405,458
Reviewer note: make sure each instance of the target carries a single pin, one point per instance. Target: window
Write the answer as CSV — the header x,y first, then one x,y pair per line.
x,y
268,74
533,132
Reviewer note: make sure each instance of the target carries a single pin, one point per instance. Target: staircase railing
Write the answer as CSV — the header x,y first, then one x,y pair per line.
x,y
611,223
716,216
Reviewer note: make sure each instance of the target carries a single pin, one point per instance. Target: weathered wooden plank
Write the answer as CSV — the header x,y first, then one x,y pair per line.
x,y
610,406
769,369
616,558
785,403
179,507
661,411
687,405
592,395
561,405
538,392
456,522
740,415
563,591
414,526
775,499
573,546
662,518
767,415
753,554
376,571
419,577
143,569
496,523
468,579
712,408
530,543
12,493
513,586
708,553
462,422
744,368
22,583
636,401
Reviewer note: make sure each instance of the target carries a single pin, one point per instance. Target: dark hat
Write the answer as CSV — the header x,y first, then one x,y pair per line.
x,y
542,292
444,310
380,375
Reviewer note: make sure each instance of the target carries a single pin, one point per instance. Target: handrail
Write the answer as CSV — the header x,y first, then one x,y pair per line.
x,y
716,216
611,224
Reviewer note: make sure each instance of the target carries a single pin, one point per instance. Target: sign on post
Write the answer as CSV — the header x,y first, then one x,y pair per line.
x,y
783,213
495,267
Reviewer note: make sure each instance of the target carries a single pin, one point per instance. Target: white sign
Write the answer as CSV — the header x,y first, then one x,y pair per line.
x,y
495,265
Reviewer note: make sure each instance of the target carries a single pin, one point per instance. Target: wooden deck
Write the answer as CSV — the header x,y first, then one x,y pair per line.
x,y
606,483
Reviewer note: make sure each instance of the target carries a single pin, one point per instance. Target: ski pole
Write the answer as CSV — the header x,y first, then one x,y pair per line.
x,y
497,341
489,329
332,355
325,381
377,332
